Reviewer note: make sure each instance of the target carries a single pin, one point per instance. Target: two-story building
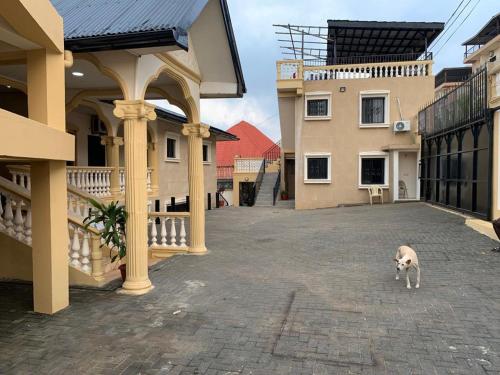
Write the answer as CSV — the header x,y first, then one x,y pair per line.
x,y
348,113
93,133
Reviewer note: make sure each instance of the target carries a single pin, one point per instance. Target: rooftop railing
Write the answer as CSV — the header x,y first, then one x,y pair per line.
x,y
370,59
295,70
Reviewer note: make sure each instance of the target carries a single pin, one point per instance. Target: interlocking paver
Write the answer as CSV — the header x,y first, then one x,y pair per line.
x,y
282,292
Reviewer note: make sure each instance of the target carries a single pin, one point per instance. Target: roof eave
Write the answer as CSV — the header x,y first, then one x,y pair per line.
x,y
241,86
133,40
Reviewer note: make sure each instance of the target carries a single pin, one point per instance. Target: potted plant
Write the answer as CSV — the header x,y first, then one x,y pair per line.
x,y
284,195
111,219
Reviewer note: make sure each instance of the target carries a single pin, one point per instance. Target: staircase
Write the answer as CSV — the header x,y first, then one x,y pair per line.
x,y
265,196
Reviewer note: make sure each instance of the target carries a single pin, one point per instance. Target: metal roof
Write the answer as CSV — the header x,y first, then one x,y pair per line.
x,y
181,119
369,38
84,19
488,32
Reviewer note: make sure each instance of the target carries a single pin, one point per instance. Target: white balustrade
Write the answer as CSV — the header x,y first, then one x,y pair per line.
x,y
289,70
122,179
172,230
15,214
365,71
250,165
84,250
92,180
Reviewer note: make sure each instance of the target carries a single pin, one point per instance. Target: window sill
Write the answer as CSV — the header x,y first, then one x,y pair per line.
x,y
207,162
172,160
317,181
385,187
366,126
317,118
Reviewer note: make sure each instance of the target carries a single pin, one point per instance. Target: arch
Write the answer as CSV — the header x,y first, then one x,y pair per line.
x,y
106,71
82,95
169,68
98,110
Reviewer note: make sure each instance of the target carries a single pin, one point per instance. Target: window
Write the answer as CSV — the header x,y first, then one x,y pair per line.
x,y
318,106
374,109
206,153
317,168
172,147
373,169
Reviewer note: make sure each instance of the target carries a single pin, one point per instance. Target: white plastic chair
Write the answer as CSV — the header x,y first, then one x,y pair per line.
x,y
375,191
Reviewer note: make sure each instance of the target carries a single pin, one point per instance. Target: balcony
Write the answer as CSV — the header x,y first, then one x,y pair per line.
x,y
292,73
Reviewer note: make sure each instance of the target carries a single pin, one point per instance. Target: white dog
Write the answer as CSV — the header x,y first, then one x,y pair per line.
x,y
406,258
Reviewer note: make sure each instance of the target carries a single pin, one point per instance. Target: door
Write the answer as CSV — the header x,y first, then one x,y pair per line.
x,y
246,193
407,176
290,177
96,152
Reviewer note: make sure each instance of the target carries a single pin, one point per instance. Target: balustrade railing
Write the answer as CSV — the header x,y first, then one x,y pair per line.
x,y
273,153
84,248
15,211
95,181
122,179
167,230
247,165
290,70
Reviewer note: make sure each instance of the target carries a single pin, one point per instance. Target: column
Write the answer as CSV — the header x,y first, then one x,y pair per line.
x,y
135,115
45,78
195,134
113,160
153,163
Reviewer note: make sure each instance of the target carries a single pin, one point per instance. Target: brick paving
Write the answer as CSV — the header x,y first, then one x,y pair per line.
x,y
283,292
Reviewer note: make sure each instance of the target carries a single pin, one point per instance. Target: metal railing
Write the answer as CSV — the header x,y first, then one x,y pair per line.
x,y
276,187
370,59
272,154
463,105
258,183
453,75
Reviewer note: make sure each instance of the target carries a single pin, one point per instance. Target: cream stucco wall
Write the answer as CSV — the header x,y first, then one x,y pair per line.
x,y
342,137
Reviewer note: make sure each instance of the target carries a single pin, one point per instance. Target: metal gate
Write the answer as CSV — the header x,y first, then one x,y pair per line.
x,y
457,149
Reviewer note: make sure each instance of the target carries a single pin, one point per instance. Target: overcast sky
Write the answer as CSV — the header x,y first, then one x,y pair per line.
x,y
258,47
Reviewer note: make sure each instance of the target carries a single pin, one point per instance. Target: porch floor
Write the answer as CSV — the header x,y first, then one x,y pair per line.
x,y
283,292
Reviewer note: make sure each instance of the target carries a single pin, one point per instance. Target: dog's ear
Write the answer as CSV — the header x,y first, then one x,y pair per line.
x,y
395,259
408,262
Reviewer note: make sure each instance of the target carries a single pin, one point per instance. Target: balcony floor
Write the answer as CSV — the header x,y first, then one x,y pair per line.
x,y
282,292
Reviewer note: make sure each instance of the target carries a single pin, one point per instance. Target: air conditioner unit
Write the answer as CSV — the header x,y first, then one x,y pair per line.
x,y
402,126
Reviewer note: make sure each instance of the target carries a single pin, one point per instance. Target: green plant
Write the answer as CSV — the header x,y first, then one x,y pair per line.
x,y
113,218
284,192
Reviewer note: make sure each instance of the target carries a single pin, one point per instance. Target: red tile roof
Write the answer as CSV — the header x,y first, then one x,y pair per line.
x,y
252,143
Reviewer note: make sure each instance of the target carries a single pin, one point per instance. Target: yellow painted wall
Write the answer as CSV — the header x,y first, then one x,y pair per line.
x,y
344,139
241,177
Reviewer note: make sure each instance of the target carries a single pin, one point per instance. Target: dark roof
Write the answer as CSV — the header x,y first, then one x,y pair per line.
x,y
447,75
488,32
370,38
175,117
97,24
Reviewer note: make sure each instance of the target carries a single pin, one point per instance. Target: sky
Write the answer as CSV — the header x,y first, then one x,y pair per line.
x,y
259,49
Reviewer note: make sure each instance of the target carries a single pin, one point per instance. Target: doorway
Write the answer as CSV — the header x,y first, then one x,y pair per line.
x,y
290,177
96,152
246,193
407,176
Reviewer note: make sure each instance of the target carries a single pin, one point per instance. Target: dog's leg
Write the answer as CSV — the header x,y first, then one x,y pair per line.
x,y
418,278
397,274
408,279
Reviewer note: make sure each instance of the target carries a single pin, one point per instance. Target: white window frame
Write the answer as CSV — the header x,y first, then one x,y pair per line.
x,y
209,152
387,107
318,95
373,155
177,138
327,155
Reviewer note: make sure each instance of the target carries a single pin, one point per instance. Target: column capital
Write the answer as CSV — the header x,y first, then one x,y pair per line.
x,y
111,141
200,130
134,109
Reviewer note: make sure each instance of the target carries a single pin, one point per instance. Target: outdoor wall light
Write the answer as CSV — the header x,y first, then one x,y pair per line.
x,y
342,89
246,178
8,86
78,74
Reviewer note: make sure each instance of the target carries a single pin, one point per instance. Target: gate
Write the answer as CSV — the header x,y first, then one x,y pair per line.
x,y
457,149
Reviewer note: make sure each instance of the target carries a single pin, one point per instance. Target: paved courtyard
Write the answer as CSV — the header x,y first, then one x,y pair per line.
x,y
283,292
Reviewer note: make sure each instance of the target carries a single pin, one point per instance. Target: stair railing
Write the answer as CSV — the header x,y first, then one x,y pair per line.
x,y
276,187
258,182
273,153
